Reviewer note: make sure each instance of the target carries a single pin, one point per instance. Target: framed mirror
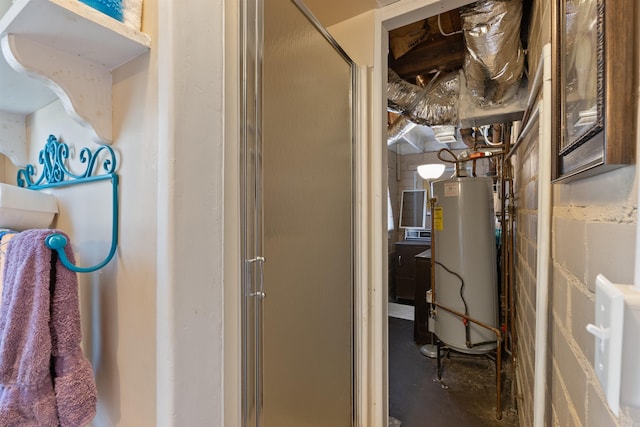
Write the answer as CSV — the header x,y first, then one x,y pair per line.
x,y
594,129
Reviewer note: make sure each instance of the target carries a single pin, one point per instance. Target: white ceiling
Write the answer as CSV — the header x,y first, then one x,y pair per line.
x,y
331,12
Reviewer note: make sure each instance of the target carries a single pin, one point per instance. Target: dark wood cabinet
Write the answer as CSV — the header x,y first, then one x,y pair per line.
x,y
405,268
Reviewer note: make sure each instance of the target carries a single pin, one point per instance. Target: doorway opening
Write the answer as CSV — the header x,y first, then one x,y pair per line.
x,y
440,109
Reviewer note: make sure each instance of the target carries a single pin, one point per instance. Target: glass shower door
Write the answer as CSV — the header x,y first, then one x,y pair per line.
x,y
298,241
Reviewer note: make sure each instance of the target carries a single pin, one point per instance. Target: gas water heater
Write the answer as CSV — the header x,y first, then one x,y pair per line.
x,y
465,263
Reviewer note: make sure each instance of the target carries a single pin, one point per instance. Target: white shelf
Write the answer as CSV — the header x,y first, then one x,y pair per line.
x,y
74,27
65,49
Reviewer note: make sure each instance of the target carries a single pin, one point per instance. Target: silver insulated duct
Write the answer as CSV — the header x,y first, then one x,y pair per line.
x,y
494,61
493,68
399,128
401,94
434,105
439,105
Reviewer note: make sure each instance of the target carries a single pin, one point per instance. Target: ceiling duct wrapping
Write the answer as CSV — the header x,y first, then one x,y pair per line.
x,y
433,105
401,94
399,128
489,89
438,105
494,61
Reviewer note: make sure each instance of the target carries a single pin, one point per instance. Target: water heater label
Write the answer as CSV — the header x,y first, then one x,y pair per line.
x,y
451,189
437,218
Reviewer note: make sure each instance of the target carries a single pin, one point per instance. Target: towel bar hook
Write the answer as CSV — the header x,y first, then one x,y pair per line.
x,y
57,241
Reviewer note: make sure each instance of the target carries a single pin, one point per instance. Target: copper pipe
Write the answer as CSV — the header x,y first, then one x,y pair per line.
x,y
468,137
506,284
432,204
470,319
503,246
511,248
498,351
499,381
496,133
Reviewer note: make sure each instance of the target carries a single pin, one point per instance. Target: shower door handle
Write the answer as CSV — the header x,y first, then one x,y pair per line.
x,y
261,295
260,292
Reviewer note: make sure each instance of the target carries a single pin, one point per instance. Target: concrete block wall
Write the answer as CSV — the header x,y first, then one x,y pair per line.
x,y
593,231
525,276
594,223
408,178
403,175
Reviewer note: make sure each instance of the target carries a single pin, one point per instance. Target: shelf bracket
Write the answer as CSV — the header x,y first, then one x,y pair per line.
x,y
83,85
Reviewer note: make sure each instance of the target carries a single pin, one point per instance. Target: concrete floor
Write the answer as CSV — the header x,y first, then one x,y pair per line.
x,y
466,396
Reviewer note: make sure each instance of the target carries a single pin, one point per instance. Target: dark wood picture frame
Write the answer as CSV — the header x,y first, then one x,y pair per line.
x,y
607,140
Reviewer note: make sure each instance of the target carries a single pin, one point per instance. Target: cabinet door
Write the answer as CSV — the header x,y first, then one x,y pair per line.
x,y
406,268
421,333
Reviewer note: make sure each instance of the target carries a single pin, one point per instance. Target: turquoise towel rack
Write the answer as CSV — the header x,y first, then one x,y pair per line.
x,y
55,174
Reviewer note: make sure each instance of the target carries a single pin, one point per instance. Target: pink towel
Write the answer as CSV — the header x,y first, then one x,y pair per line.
x,y
35,331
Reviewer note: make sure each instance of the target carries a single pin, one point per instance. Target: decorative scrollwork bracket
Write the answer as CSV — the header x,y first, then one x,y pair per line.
x,y
53,158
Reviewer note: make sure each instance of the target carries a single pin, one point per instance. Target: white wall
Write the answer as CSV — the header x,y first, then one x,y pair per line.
x,y
118,303
153,318
191,48
356,37
232,261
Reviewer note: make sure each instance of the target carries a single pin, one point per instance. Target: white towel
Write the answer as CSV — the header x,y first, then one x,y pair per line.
x,y
132,13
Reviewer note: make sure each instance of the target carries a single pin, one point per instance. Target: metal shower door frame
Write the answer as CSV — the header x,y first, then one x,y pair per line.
x,y
251,208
